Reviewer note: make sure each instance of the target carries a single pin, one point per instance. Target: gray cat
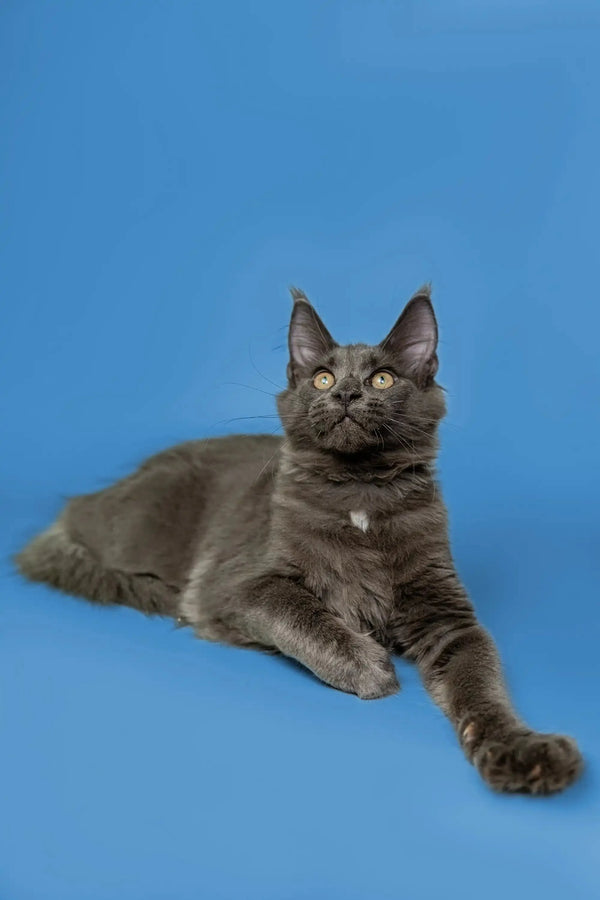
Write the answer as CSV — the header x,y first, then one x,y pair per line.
x,y
329,545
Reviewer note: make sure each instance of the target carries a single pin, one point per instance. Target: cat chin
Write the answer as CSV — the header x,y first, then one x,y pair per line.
x,y
347,436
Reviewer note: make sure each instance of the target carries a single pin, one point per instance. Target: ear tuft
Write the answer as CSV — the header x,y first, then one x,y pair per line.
x,y
424,291
414,337
297,294
308,339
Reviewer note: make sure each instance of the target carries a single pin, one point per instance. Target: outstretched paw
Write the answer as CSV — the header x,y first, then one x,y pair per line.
x,y
529,763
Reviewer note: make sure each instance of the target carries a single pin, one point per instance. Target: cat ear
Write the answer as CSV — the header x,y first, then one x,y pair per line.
x,y
309,340
413,339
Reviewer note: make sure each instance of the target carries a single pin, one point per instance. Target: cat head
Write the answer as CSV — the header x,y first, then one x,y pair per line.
x,y
358,398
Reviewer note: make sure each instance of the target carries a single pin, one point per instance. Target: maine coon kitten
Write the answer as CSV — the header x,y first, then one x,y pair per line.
x,y
329,545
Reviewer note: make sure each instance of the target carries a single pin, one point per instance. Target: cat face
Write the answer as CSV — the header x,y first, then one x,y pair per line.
x,y
356,398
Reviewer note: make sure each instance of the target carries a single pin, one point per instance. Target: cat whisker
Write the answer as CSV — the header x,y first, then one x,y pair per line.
x,y
403,439
270,459
258,372
246,418
408,426
250,387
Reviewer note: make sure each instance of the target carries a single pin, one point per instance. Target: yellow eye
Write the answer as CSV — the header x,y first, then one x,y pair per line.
x,y
382,380
323,380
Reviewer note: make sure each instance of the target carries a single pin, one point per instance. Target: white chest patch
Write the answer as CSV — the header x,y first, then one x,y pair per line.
x,y
360,519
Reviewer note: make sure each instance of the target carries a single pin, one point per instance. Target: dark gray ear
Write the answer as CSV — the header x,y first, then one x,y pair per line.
x,y
413,339
309,340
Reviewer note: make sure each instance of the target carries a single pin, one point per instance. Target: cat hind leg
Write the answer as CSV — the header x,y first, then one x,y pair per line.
x,y
54,558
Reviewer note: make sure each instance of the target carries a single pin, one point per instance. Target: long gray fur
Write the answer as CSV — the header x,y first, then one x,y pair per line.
x,y
329,545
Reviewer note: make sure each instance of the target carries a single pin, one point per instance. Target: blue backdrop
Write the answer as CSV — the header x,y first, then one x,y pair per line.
x,y
168,169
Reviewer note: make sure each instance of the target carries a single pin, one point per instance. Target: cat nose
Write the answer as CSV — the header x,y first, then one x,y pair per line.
x,y
346,393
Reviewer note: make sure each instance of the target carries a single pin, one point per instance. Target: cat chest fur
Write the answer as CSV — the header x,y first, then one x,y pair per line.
x,y
351,571
347,541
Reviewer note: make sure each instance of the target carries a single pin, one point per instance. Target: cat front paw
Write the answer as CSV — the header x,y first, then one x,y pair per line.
x,y
374,675
529,763
364,668
374,683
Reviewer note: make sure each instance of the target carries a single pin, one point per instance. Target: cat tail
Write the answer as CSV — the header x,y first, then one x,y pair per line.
x,y
55,559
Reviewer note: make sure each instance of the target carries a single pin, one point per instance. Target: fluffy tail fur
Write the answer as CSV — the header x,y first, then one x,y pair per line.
x,y
55,559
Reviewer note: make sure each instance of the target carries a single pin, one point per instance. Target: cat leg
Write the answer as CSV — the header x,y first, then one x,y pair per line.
x,y
54,558
459,663
277,611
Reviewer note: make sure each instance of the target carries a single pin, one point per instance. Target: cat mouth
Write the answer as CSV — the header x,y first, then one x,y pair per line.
x,y
346,419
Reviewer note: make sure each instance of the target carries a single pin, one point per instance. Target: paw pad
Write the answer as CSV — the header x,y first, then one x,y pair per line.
x,y
469,733
530,763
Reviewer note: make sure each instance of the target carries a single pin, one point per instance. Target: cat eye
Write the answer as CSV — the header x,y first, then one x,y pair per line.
x,y
323,380
382,380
